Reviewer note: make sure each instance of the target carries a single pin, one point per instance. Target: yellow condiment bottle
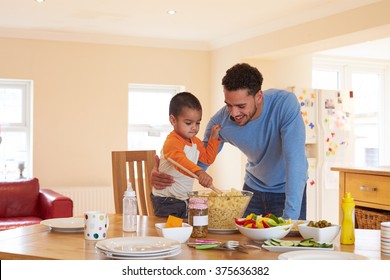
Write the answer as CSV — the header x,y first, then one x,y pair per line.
x,y
347,235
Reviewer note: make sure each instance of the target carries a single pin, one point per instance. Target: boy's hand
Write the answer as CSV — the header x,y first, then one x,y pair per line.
x,y
215,131
204,179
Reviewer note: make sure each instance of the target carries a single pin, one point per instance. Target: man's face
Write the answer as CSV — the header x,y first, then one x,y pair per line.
x,y
243,107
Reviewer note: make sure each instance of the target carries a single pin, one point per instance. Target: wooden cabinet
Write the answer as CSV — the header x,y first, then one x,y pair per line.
x,y
369,186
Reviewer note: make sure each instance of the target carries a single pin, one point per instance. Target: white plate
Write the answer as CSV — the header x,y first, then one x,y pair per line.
x,y
137,245
222,231
293,248
65,224
320,255
139,257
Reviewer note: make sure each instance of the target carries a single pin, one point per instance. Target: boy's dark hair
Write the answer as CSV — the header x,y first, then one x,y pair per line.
x,y
181,100
243,76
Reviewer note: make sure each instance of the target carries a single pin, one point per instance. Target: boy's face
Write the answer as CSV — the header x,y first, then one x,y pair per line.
x,y
187,123
243,107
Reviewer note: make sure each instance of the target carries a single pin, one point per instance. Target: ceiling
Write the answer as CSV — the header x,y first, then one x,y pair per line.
x,y
201,24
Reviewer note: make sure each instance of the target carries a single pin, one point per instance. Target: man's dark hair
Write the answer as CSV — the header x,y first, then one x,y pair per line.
x,y
243,76
181,100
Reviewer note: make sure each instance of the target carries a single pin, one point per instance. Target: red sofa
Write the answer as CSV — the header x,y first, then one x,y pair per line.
x,y
23,203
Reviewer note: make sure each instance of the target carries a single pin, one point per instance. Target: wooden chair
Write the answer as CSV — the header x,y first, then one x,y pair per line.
x,y
134,167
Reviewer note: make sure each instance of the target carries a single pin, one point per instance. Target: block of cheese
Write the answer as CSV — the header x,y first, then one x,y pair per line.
x,y
173,222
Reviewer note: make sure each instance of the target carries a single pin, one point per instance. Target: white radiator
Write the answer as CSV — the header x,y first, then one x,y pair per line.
x,y
89,199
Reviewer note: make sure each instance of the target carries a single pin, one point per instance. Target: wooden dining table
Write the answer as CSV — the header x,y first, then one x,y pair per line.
x,y
40,242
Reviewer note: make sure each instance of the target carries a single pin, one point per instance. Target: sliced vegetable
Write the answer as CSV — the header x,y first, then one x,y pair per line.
x,y
265,224
250,224
274,218
294,243
239,222
287,243
258,221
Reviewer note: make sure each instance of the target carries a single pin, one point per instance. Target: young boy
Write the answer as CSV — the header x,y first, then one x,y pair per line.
x,y
182,145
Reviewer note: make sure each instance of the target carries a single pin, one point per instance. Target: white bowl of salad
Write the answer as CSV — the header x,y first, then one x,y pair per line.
x,y
260,228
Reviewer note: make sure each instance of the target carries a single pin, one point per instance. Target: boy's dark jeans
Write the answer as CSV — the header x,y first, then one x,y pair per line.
x,y
165,206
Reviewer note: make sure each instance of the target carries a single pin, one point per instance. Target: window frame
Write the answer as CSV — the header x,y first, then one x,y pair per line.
x,y
347,66
26,124
155,129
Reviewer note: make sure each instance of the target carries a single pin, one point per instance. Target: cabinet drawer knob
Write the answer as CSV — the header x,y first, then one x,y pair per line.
x,y
369,189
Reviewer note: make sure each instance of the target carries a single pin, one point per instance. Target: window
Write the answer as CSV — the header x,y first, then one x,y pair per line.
x,y
148,123
15,129
371,126
326,79
367,93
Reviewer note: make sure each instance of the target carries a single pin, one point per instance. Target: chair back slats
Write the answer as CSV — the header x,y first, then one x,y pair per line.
x,y
134,167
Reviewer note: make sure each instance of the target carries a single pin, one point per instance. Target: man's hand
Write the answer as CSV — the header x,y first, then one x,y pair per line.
x,y
158,179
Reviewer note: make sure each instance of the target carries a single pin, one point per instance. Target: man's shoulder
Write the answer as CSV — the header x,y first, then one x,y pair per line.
x,y
280,101
277,92
280,94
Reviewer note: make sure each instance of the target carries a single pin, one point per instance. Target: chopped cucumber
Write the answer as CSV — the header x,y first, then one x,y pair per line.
x,y
291,243
306,244
287,243
276,240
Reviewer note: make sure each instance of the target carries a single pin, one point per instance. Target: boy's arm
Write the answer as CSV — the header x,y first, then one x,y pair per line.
x,y
209,153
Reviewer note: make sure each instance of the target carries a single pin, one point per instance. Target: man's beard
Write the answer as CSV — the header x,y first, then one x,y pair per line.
x,y
248,119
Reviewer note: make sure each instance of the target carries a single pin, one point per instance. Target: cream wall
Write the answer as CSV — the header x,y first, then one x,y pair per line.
x,y
80,100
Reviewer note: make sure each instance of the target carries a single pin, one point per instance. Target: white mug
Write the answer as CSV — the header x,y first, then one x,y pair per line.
x,y
95,225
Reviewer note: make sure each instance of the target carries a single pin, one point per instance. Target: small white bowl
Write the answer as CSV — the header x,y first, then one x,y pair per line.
x,y
180,234
262,234
320,235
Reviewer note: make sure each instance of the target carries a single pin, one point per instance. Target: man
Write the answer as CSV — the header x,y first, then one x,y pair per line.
x,y
268,128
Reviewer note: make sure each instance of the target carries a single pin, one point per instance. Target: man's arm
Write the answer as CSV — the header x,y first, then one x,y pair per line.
x,y
293,139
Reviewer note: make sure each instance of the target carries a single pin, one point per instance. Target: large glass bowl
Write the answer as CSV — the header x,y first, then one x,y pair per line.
x,y
223,208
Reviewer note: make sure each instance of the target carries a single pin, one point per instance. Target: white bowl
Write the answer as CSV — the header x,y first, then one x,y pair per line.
x,y
320,235
261,234
180,234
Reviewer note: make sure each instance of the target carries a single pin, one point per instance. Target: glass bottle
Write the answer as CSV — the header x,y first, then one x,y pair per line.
x,y
198,216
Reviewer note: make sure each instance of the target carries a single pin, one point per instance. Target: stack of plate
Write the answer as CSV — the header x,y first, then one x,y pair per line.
x,y
138,247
